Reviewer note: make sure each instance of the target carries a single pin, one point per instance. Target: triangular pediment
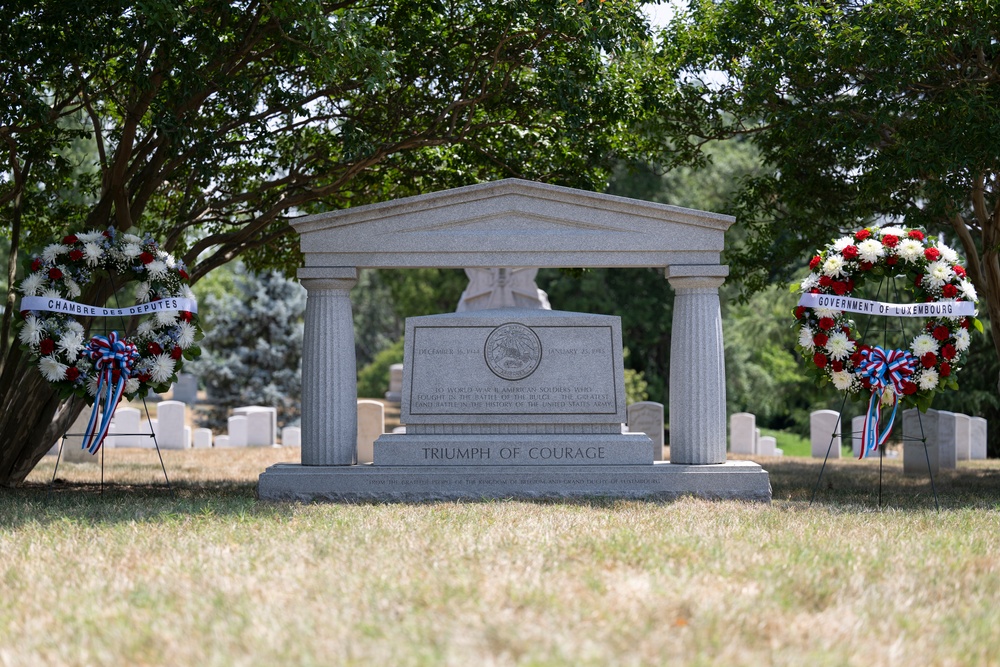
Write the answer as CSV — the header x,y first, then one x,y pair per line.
x,y
512,223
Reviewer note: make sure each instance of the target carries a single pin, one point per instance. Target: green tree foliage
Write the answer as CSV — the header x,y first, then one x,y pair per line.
x,y
212,123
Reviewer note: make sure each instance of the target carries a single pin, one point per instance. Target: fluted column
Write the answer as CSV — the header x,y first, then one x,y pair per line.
x,y
697,366
329,368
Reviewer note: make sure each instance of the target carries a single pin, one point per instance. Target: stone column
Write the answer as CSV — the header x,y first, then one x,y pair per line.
x,y
329,368
697,366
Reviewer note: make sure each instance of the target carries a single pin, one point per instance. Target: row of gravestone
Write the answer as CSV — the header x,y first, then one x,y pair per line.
x,y
745,437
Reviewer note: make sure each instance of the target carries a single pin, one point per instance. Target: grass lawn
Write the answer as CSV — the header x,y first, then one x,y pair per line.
x,y
211,576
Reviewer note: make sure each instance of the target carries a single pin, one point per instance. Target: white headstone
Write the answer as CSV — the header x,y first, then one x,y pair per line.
x,y
824,433
238,431
767,446
395,393
371,424
126,421
977,438
857,432
743,433
222,442
920,429
963,437
72,450
170,418
647,417
202,437
185,389
947,439
152,426
262,430
291,436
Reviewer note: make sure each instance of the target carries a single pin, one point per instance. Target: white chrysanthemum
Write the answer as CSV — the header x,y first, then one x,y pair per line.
x,y
166,317
810,281
962,340
142,292
131,238
923,344
92,383
31,332
806,338
145,328
131,250
842,380
51,369
188,294
911,250
72,289
51,293
92,253
842,243
75,327
833,266
928,379
870,250
157,269
938,273
32,284
169,260
839,346
826,312
70,344
185,334
894,231
162,368
90,237
968,290
132,385
947,254
53,251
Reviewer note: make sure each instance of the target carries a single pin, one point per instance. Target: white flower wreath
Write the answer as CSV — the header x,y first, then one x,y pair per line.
x,y
56,339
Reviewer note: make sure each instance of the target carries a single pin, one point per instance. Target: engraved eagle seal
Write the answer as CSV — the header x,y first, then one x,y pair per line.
x,y
513,351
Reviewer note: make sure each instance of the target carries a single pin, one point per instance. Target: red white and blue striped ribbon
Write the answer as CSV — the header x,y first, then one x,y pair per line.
x,y
883,368
113,360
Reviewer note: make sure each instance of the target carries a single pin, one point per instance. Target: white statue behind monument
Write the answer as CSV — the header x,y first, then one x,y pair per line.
x,y
502,288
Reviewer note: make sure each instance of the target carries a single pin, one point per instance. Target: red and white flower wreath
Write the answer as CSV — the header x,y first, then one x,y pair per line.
x,y
928,269
56,339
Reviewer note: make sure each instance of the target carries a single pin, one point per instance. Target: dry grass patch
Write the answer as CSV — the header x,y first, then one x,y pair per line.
x,y
214,577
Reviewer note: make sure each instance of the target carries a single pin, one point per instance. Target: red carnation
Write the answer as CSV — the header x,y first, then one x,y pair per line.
x,y
75,255
919,280
847,330
949,291
820,360
891,260
959,270
862,235
146,257
909,387
890,241
948,352
929,326
837,365
929,360
941,333
184,274
825,281
72,373
144,377
916,234
70,240
850,252
819,340
814,262
932,254
814,290
865,266
945,369
826,322
55,273
850,284
840,287
176,353
965,323
47,346
186,316
36,264
154,348
106,234
856,359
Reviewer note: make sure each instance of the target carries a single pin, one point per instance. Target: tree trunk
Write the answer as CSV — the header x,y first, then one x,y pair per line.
x,y
32,418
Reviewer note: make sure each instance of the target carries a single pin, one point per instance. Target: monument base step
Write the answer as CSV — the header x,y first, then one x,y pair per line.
x,y
740,480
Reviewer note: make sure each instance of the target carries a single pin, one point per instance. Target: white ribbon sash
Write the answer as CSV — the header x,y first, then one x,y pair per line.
x,y
853,305
72,308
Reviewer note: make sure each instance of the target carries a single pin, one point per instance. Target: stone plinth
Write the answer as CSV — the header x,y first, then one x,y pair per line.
x,y
742,480
506,450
